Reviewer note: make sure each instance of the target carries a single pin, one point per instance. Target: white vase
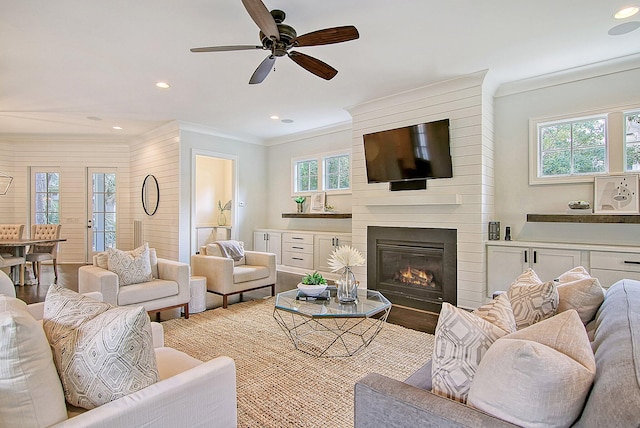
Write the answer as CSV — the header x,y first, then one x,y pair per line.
x,y
347,286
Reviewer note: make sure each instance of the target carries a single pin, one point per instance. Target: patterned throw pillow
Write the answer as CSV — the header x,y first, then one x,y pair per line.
x,y
462,338
537,376
532,301
499,313
101,352
132,267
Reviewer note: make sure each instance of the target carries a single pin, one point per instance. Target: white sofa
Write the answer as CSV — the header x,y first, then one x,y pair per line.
x,y
190,393
169,288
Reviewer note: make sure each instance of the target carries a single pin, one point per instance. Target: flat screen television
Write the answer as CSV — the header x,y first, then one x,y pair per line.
x,y
416,152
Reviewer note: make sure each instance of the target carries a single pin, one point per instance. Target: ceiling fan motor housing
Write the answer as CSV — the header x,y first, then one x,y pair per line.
x,y
287,34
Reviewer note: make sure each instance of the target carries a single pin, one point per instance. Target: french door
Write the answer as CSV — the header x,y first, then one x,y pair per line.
x,y
101,207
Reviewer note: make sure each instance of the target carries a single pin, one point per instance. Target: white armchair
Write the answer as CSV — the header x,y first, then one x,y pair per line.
x,y
225,277
169,288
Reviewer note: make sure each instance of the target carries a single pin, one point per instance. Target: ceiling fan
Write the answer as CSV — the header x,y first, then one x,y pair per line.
x,y
279,38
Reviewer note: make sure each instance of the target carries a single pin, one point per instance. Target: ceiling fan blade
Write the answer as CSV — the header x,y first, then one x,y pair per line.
x,y
327,36
263,70
262,17
313,65
226,48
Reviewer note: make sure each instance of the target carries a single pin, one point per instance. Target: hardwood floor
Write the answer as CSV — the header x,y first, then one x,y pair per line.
x,y
68,277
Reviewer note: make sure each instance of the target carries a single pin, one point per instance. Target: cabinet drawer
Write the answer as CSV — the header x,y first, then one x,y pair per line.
x,y
300,238
629,262
295,247
300,260
608,277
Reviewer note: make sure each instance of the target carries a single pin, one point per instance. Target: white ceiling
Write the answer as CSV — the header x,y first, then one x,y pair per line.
x,y
63,61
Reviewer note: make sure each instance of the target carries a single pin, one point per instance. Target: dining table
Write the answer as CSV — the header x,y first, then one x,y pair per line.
x,y
18,247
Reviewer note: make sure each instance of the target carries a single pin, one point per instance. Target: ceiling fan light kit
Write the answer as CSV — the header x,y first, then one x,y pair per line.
x,y
279,39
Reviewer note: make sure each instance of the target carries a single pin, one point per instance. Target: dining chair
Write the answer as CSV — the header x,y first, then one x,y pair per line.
x,y
10,232
41,252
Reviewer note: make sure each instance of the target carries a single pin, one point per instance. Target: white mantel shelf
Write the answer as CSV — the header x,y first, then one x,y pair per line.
x,y
438,199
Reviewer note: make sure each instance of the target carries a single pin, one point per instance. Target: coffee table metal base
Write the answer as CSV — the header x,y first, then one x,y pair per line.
x,y
330,337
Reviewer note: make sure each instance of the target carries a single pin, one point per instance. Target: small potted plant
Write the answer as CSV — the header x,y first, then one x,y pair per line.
x,y
300,201
313,284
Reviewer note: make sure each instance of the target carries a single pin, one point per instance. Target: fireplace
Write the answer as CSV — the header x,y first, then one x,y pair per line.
x,y
413,267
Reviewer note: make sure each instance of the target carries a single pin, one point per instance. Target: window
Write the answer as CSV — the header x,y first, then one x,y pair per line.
x,y
573,147
103,211
306,176
336,176
328,172
47,198
632,140
577,148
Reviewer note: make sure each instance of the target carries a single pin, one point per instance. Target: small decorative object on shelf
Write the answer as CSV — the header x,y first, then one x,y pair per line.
x,y
222,219
300,201
345,257
579,205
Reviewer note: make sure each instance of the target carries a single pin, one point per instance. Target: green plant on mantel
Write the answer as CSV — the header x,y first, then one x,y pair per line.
x,y
315,278
300,199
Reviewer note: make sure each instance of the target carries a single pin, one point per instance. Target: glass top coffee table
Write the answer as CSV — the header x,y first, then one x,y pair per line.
x,y
328,328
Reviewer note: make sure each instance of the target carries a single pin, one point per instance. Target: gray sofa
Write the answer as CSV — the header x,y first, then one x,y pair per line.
x,y
614,400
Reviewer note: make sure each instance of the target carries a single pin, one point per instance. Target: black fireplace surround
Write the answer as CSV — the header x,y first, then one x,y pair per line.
x,y
413,267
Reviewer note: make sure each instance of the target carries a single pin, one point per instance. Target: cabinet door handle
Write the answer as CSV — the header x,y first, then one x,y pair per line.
x,y
535,257
525,256
333,242
296,258
337,242
631,262
297,248
295,237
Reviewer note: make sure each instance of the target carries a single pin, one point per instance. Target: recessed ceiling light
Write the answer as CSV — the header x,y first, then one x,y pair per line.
x,y
274,117
287,120
117,127
94,118
626,12
163,85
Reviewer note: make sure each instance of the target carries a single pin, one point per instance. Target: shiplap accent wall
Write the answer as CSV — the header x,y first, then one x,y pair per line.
x,y
7,212
470,110
71,156
158,153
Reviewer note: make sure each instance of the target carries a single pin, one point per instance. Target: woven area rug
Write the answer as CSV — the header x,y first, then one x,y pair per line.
x,y
279,386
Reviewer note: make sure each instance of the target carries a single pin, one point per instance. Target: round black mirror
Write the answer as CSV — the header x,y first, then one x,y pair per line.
x,y
150,194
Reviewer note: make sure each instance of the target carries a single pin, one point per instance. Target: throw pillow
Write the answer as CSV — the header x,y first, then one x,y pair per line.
x,y
102,352
132,267
30,390
461,340
537,376
499,313
578,290
532,301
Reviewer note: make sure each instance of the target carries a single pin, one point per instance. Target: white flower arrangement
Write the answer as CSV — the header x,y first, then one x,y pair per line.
x,y
344,256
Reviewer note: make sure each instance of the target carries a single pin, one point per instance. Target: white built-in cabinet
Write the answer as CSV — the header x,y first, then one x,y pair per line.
x,y
324,246
301,251
508,259
269,241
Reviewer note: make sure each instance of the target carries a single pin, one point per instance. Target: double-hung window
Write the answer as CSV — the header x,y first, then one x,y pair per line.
x,y
572,147
328,172
46,191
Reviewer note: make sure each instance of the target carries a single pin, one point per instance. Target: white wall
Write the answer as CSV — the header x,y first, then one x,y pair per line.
x,y
71,155
569,93
213,184
251,188
280,155
7,202
156,153
470,110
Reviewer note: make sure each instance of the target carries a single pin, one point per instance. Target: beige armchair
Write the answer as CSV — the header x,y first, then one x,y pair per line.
x,y
226,278
169,288
42,252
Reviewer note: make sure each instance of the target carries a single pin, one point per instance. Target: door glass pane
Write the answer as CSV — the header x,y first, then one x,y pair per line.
x,y
104,211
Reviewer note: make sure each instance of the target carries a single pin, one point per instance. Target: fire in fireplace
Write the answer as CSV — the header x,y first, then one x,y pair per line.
x,y
414,267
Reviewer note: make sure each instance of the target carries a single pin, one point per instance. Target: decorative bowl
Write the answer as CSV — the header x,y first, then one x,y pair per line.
x,y
579,205
312,289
